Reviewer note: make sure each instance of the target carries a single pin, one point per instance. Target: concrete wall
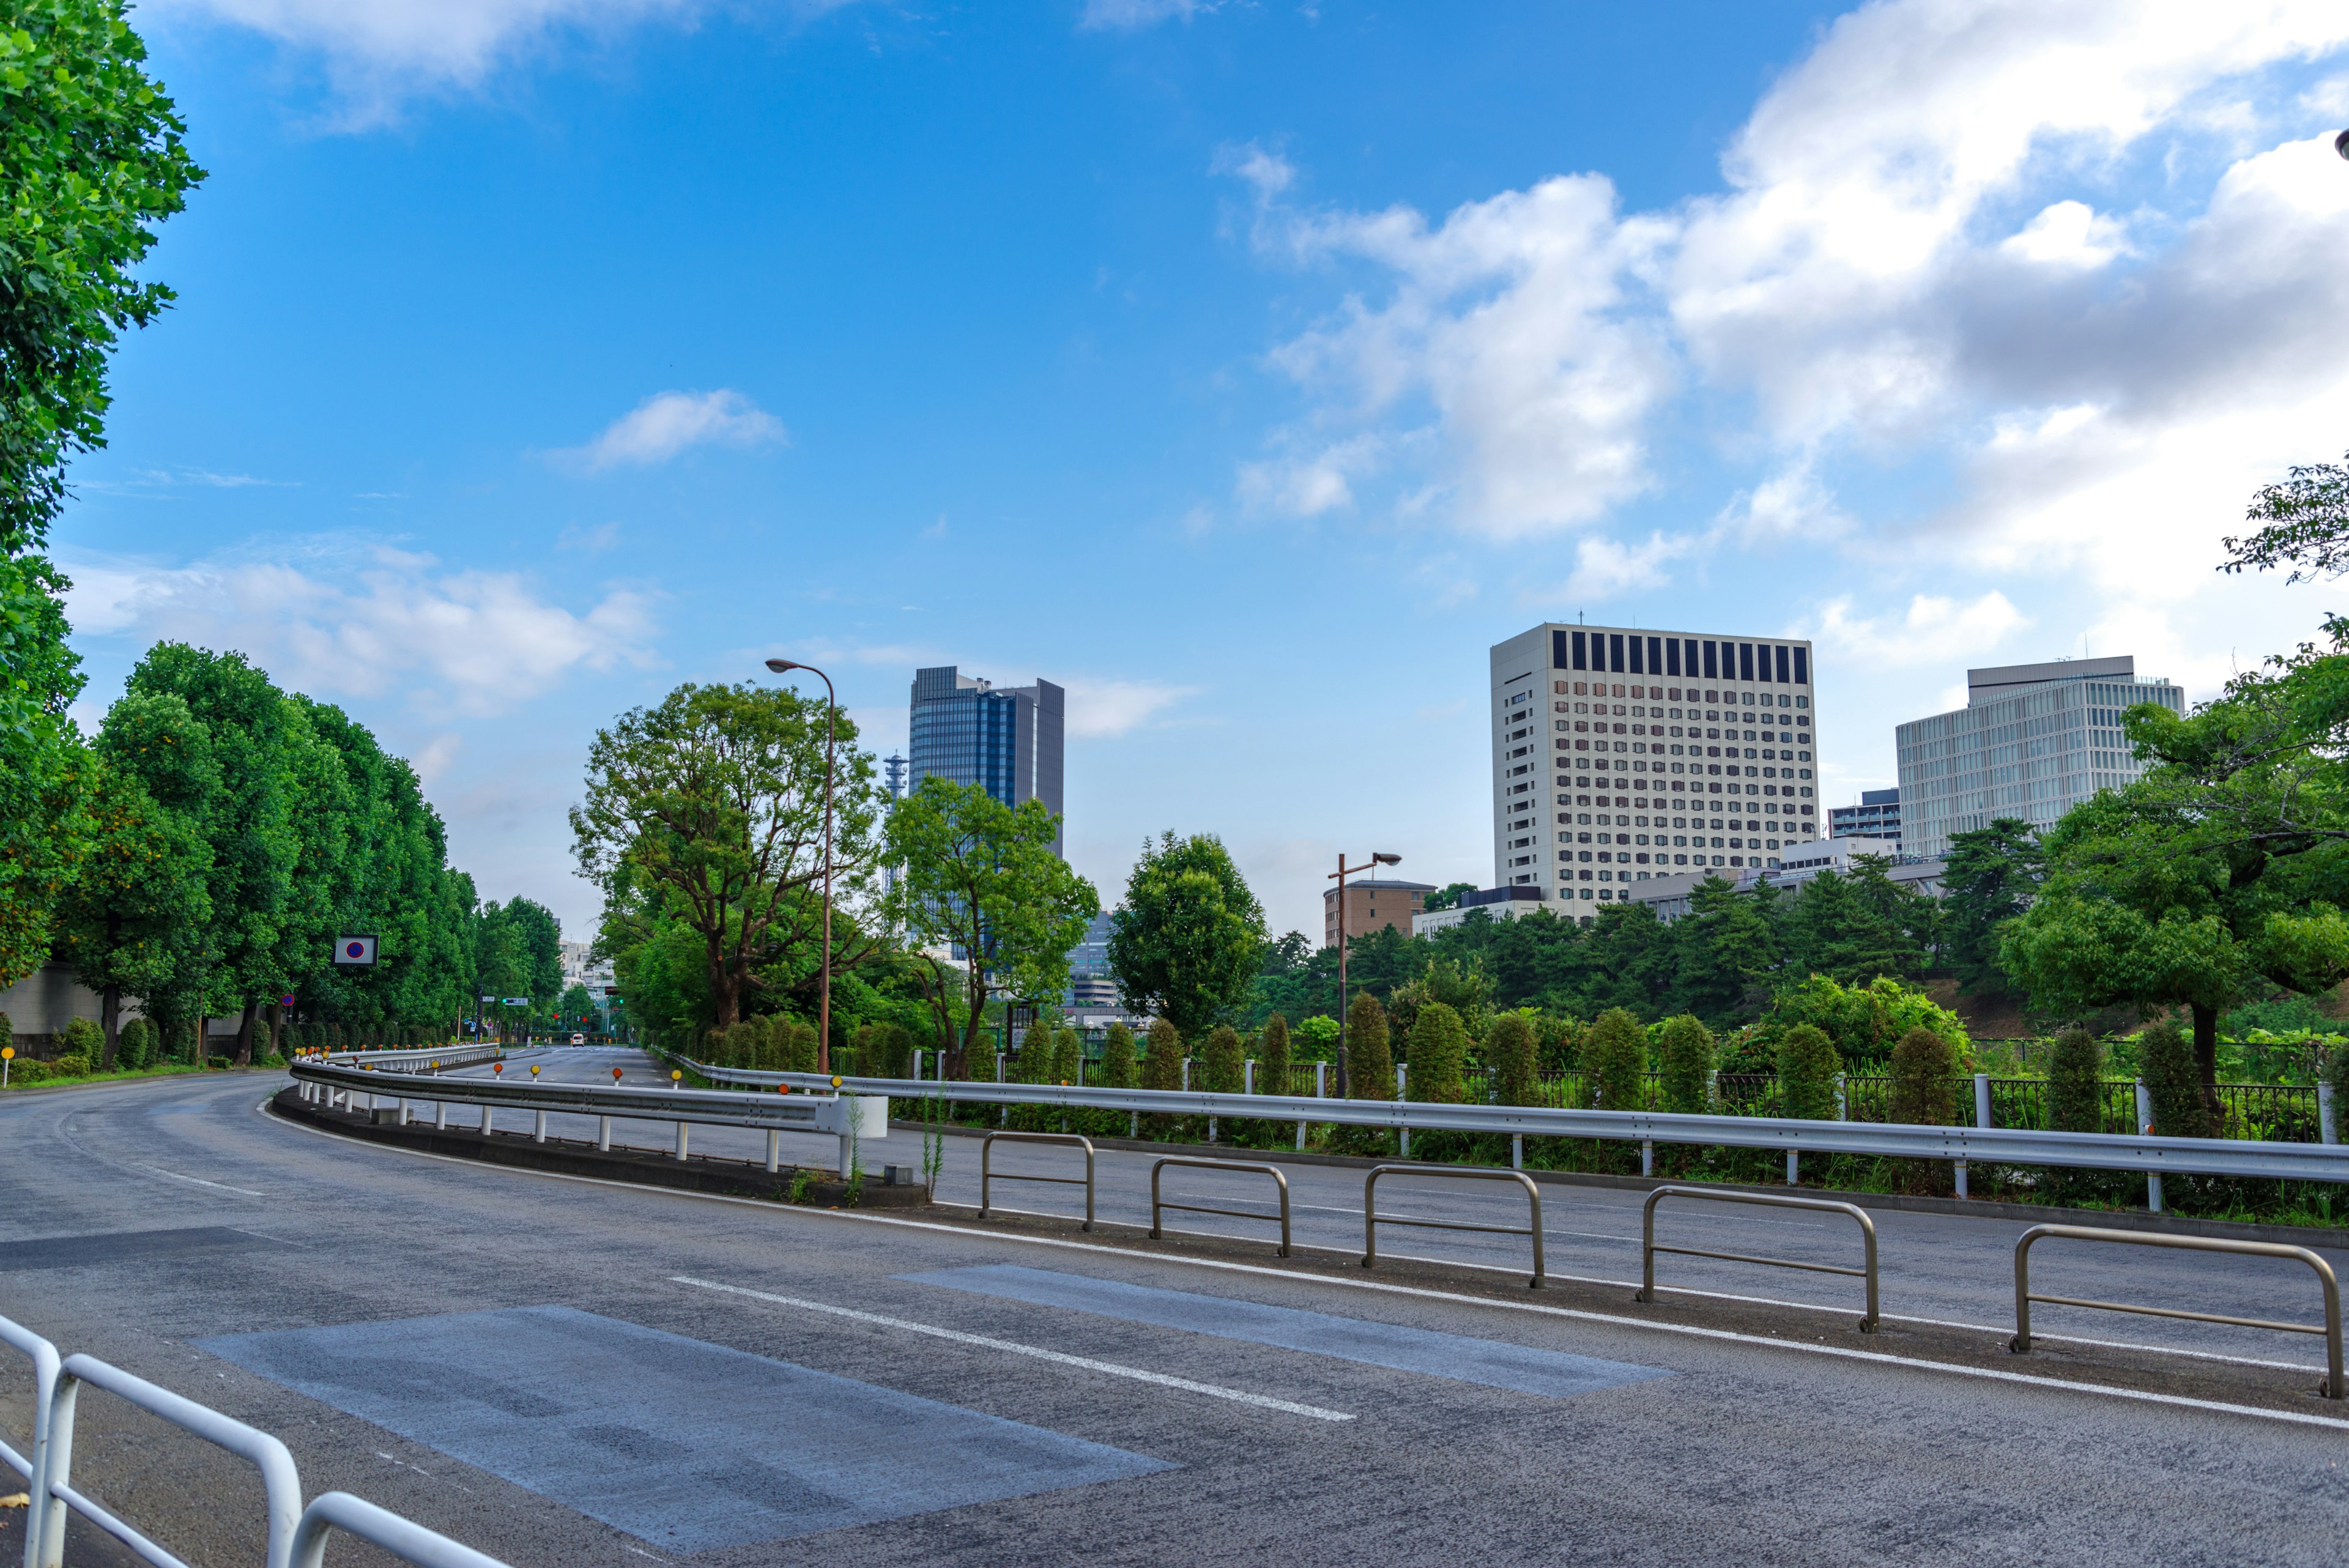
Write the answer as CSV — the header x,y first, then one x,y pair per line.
x,y
42,1003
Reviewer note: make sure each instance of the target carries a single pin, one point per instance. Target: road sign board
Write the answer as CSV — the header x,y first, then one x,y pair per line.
x,y
357,952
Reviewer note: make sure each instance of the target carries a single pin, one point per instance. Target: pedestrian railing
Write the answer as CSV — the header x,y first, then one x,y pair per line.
x,y
1649,1248
987,1175
1371,1217
52,1494
2330,1328
1280,1179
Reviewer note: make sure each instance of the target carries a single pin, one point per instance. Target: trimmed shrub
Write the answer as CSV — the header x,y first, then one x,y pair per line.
x,y
1924,1090
1117,1058
1808,1065
1067,1051
1684,1058
1439,1056
83,1038
2175,1087
796,1040
2075,1089
1615,1062
1369,1066
1223,1070
1272,1057
1512,1051
2336,1072
1036,1047
1161,1063
72,1065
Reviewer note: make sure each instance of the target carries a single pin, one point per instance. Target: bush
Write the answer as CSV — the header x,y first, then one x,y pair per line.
x,y
1161,1063
1037,1048
1615,1062
1117,1058
2172,1083
70,1065
1223,1070
134,1045
2076,1088
1808,1065
795,1045
2336,1072
1068,1050
1924,1069
1439,1056
1863,1022
1509,1051
1684,1058
1272,1056
83,1038
1370,1065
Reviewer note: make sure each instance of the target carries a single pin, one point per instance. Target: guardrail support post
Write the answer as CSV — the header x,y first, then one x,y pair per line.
x,y
485,1119
440,1115
1647,1156
774,1151
1402,1093
680,1141
2144,1125
604,1132
2327,1131
538,1128
1517,1151
1794,1168
1982,1119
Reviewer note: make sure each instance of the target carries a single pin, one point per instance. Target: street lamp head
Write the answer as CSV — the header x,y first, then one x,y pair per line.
x,y
1387,860
2341,144
781,665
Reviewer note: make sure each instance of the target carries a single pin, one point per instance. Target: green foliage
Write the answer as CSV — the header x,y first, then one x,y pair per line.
x,y
1808,1067
1992,873
1864,1021
1924,1086
1162,1063
81,1037
2288,1015
43,770
2307,526
794,1044
1370,1065
1510,1050
1117,1064
1615,1062
1272,1058
1068,1050
1034,1062
1223,1067
1684,1059
1448,896
72,1065
2336,1072
2076,1072
1439,1056
1188,942
2166,1064
1320,1035
135,1050
1462,987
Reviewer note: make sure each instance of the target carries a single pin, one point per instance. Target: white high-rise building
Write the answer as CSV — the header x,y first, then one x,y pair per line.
x,y
1621,755
2032,741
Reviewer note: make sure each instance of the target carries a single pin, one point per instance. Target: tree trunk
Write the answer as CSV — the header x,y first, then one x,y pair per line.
x,y
276,1030
2206,1062
244,1033
109,1013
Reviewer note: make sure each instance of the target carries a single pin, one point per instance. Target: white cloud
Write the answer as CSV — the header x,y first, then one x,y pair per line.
x,y
465,641
1100,710
1933,630
2068,233
1101,15
668,423
1604,568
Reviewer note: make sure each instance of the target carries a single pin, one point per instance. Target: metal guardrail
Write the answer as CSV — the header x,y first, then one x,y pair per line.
x,y
1192,1162
1978,1146
43,1356
1647,1247
1371,1215
2331,1328
410,1543
414,1055
987,1148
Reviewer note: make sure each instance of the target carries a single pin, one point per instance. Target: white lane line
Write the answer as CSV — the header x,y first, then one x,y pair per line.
x,y
200,1181
1499,1304
1262,1401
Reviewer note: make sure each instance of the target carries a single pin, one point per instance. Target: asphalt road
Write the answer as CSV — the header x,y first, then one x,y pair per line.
x,y
563,1372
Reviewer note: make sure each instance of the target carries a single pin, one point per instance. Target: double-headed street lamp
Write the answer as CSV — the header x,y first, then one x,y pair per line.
x,y
824,976
1342,873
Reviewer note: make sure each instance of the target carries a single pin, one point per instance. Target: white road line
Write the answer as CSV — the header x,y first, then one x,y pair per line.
x,y
1797,1346
200,1181
1262,1401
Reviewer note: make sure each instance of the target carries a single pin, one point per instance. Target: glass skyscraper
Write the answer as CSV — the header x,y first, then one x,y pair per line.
x,y
1006,740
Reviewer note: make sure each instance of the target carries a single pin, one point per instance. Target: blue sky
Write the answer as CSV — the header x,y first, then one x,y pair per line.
x,y
1248,369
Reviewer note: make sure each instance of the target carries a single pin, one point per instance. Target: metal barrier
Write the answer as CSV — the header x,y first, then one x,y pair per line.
x,y
44,1384
1647,1247
409,1542
987,1148
1371,1216
2330,1329
1191,1163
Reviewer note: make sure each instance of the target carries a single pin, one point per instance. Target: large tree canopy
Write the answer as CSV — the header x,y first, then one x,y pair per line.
x,y
1189,939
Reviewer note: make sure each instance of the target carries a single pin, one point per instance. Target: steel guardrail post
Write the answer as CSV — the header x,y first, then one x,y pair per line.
x,y
46,1362
1867,1271
1194,1163
986,1175
408,1542
2327,1282
1371,1215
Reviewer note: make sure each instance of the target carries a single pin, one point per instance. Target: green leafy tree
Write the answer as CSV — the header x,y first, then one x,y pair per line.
x,y
1510,1050
1993,874
1684,1060
1188,942
2172,1083
1162,1063
1439,1056
2075,1087
982,875
1808,1067
1725,950
2306,519
1370,1065
43,770
1223,1063
1448,896
1117,1066
577,1008
1615,1062
1865,1021
1272,1057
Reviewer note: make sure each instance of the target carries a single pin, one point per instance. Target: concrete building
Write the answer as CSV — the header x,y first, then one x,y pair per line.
x,y
1669,895
1089,984
2032,741
1007,741
1498,903
1704,747
1878,816
1372,904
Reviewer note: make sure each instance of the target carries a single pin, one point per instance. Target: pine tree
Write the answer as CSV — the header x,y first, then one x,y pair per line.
x,y
1684,1058
2075,1084
1439,1056
1807,1068
1117,1058
1370,1067
1510,1050
1924,1073
1272,1057
1161,1063
2173,1082
1615,1062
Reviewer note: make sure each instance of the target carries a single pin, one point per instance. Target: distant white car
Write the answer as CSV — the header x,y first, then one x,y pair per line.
x,y
579,1040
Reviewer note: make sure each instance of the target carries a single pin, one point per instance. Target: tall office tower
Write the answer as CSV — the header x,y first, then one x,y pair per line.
x,y
1006,740
2032,741
1701,746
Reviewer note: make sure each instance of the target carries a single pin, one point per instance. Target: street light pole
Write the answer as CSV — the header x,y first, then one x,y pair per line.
x,y
1344,872
824,976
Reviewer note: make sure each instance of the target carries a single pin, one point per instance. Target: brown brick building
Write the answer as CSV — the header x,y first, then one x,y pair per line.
x,y
1370,904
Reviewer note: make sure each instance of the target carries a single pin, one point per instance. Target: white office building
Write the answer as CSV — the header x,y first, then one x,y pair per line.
x,y
1621,755
2032,741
